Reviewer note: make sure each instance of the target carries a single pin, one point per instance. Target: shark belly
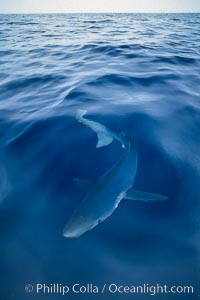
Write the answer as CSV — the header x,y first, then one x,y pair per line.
x,y
102,200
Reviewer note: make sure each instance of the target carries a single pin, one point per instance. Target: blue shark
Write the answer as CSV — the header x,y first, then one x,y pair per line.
x,y
116,184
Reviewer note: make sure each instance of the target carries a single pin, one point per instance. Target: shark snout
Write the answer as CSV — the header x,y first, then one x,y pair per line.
x,y
73,229
70,232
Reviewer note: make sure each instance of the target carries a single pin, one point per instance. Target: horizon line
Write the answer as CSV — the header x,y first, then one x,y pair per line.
x,y
103,12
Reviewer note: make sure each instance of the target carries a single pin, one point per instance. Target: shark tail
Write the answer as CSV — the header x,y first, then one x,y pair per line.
x,y
105,136
80,113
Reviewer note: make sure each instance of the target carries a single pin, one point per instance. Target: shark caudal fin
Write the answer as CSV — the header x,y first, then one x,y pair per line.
x,y
105,136
103,140
80,113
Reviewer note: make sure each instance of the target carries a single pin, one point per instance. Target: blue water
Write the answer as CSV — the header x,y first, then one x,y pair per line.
x,y
139,73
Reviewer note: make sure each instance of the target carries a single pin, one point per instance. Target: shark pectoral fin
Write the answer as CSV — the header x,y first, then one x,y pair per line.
x,y
103,140
85,185
133,194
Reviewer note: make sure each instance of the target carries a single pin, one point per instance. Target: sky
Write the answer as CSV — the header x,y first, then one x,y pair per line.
x,y
73,6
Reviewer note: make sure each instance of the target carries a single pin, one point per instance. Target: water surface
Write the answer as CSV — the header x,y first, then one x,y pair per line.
x,y
133,72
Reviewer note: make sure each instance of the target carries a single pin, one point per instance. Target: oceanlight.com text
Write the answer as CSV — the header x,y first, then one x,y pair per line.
x,y
111,288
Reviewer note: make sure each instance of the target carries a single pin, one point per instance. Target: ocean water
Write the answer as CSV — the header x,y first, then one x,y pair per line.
x,y
137,73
